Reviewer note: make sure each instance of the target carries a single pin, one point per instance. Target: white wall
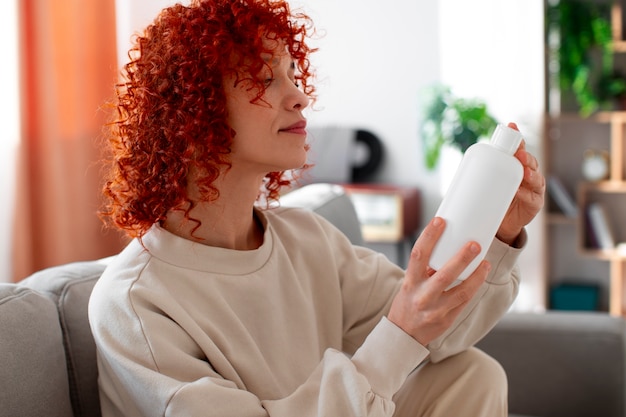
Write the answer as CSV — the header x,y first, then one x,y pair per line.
x,y
375,57
9,120
372,63
131,17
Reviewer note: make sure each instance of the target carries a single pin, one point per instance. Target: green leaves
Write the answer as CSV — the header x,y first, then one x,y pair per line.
x,y
450,120
584,29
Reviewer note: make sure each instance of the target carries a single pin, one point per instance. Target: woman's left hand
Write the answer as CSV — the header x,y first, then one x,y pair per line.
x,y
529,198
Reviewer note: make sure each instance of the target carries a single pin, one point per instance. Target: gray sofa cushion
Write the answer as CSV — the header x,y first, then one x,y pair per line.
x,y
31,346
69,287
562,364
331,202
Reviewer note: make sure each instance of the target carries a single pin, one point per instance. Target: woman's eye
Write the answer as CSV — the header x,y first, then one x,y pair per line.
x,y
268,81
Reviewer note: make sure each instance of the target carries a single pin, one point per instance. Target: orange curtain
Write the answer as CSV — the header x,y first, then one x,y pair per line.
x,y
68,70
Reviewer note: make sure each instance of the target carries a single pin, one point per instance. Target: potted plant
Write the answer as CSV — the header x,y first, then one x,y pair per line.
x,y
583,49
452,121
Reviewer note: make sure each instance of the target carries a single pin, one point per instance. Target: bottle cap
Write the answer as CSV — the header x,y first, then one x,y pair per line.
x,y
506,139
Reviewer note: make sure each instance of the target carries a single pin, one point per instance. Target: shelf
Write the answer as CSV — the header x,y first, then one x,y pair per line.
x,y
619,46
608,186
559,218
571,242
605,255
599,117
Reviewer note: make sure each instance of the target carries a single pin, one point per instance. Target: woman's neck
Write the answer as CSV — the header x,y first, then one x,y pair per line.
x,y
228,222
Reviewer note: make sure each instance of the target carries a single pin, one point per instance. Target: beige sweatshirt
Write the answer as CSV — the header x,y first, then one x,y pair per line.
x,y
293,328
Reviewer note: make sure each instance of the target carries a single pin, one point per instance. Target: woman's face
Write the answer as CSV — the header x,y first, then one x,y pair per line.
x,y
270,133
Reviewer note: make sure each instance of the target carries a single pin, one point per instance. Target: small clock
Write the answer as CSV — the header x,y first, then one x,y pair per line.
x,y
595,165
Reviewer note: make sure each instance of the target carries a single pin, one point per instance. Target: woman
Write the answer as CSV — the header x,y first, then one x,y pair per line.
x,y
221,306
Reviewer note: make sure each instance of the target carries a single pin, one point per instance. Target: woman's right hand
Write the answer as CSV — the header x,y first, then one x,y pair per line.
x,y
423,308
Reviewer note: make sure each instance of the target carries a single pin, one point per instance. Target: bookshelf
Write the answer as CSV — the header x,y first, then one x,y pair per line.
x,y
574,252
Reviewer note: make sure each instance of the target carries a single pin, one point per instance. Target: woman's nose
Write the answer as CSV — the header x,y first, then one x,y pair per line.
x,y
300,99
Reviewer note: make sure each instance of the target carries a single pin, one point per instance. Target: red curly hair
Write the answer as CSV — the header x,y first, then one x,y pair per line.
x,y
171,114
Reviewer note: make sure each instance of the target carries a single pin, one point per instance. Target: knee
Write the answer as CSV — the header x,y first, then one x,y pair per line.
x,y
488,365
482,378
472,380
470,365
481,367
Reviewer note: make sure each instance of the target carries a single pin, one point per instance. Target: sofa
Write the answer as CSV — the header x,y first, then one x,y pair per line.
x,y
558,363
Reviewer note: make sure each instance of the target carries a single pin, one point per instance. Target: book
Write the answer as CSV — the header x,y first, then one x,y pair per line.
x,y
562,197
600,226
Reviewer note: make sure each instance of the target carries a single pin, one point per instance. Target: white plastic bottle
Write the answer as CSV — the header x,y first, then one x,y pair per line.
x,y
479,196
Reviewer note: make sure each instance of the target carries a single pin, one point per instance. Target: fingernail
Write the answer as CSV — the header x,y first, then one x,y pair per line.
x,y
437,222
475,247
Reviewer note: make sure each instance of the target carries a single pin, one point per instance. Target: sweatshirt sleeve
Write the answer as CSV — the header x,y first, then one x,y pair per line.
x,y
340,386
359,386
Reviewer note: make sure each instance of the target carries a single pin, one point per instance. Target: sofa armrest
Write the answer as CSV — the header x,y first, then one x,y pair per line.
x,y
69,287
562,364
33,375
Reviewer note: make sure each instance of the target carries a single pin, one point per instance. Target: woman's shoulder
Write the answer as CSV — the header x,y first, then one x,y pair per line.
x,y
299,219
122,270
289,213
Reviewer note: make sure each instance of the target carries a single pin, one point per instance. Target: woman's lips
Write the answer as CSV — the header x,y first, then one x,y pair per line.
x,y
298,128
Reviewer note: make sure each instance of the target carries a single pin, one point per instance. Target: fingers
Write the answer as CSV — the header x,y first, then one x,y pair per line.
x,y
417,268
533,182
526,158
461,294
530,163
529,198
418,271
449,273
423,308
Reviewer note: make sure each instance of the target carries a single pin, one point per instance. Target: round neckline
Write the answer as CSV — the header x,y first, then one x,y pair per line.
x,y
185,253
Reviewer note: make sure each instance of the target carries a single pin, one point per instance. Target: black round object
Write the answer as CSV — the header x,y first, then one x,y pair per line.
x,y
364,170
